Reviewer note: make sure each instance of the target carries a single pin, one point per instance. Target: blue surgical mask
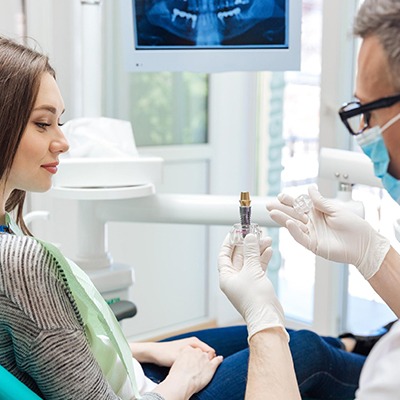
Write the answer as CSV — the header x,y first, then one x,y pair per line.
x,y
373,145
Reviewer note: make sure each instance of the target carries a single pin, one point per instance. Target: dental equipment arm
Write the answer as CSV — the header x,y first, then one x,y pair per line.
x,y
181,209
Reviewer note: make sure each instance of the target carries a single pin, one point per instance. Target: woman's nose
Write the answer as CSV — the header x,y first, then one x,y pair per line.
x,y
60,143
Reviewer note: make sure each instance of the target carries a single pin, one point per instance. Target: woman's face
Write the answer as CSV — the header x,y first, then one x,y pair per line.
x,y
36,159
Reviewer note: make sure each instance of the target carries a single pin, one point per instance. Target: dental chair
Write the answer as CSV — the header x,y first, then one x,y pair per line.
x,y
13,389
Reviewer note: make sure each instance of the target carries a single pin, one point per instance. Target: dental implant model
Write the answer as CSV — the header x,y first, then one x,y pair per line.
x,y
302,204
245,208
240,230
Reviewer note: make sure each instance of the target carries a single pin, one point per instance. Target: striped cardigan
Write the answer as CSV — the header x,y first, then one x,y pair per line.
x,y
42,340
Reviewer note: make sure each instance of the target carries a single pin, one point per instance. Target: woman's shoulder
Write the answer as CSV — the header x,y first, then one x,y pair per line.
x,y
25,265
22,252
29,275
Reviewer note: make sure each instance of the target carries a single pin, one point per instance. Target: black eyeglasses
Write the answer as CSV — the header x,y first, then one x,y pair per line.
x,y
356,116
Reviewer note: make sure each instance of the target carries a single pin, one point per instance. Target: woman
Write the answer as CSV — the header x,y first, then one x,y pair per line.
x,y
64,343
47,339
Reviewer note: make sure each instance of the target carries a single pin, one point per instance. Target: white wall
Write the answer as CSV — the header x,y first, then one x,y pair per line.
x,y
11,19
56,26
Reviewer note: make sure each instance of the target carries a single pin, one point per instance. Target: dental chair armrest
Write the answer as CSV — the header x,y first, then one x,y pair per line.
x,y
123,309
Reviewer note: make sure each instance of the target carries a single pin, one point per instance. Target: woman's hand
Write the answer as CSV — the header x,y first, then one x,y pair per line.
x,y
166,353
191,372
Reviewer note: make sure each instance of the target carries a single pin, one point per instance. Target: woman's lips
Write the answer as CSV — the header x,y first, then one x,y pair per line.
x,y
52,168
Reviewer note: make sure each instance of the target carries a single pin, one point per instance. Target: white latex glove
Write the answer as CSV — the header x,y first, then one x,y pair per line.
x,y
333,232
243,280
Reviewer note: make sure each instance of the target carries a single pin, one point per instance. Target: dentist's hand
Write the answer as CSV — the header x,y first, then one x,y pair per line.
x,y
331,231
243,280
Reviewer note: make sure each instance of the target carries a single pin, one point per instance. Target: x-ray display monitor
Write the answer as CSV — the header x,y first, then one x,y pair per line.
x,y
212,35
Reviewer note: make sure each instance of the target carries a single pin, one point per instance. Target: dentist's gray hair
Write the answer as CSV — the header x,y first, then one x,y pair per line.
x,y
381,18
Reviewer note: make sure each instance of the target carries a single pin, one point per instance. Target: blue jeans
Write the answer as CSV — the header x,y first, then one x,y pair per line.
x,y
323,369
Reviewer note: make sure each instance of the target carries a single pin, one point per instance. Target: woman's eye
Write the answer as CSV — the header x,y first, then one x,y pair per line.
x,y
42,125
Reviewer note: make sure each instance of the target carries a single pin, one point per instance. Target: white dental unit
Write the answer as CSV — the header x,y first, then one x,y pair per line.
x,y
92,181
124,190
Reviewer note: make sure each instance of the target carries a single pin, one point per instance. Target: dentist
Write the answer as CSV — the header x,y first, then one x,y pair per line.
x,y
332,232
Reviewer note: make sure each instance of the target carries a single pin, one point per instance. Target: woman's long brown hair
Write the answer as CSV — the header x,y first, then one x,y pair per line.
x,y
21,69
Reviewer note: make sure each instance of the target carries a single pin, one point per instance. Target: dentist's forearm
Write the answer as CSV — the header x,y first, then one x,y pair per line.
x,y
271,372
386,282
